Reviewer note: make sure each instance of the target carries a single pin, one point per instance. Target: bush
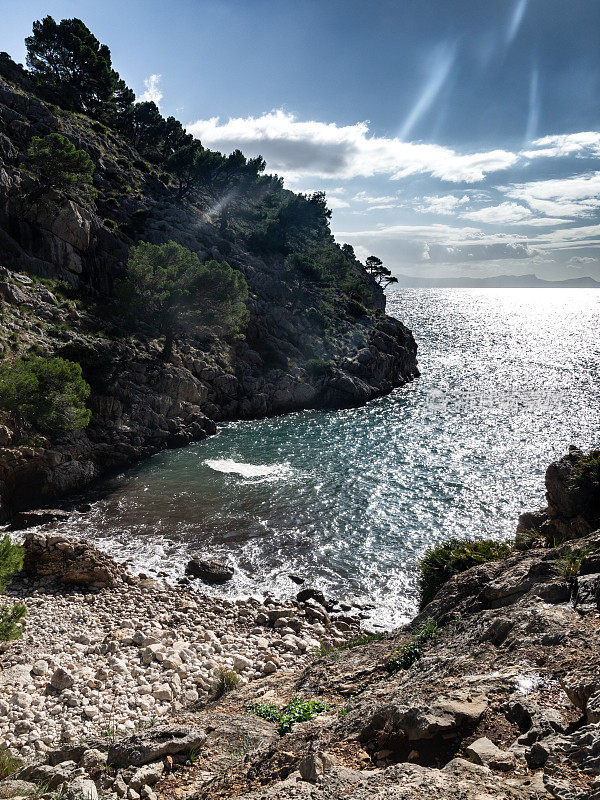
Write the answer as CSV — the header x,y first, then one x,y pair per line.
x,y
10,618
449,558
297,710
356,309
412,650
319,367
57,164
8,763
11,562
47,392
110,224
225,680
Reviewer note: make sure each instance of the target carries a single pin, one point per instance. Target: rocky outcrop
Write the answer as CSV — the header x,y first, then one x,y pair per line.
x,y
69,562
302,348
573,508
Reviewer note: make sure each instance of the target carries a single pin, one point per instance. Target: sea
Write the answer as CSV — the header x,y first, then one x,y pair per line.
x,y
349,501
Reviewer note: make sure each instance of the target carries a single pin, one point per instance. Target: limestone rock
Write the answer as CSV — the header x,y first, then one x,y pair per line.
x,y
154,744
68,561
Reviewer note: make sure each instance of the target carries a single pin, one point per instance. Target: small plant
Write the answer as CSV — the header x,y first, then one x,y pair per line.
x,y
452,557
358,641
297,710
225,680
570,561
411,651
8,763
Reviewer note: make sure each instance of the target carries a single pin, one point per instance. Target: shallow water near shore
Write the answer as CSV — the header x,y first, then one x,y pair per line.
x,y
349,500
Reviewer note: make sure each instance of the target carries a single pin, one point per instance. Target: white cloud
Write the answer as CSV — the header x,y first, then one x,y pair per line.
x,y
298,149
153,93
441,204
579,260
363,197
337,202
578,196
510,214
586,143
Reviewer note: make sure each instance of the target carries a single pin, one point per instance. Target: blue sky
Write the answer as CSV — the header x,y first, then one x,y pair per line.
x,y
451,138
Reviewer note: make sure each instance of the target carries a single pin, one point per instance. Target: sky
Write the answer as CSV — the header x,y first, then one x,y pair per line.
x,y
451,138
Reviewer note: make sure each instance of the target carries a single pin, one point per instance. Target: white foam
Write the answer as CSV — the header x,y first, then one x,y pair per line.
x,y
229,466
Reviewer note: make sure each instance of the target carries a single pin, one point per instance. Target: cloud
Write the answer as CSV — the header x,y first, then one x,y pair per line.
x,y
578,196
441,204
337,202
584,144
516,18
579,260
153,93
510,214
329,151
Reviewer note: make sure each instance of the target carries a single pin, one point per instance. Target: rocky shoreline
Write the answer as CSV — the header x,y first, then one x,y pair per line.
x,y
111,691
107,651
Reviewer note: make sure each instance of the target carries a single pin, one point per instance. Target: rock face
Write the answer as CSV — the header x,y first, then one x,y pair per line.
x,y
573,510
141,404
208,570
69,562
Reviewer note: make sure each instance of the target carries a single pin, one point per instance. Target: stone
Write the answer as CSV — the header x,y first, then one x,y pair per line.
x,y
154,744
14,787
61,680
147,775
40,667
484,751
68,561
81,789
209,570
42,516
93,762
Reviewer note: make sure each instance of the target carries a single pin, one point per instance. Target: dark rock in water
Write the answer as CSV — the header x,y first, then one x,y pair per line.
x,y
208,570
69,562
41,516
312,594
297,579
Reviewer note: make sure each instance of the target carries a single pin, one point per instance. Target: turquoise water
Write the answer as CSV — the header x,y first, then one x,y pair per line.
x,y
350,499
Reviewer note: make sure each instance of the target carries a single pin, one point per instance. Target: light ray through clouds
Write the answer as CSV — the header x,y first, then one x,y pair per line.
x,y
516,20
442,61
533,114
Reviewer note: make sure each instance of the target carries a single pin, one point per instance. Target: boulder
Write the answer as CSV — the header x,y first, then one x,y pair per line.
x,y
209,570
154,744
69,561
40,516
16,788
61,680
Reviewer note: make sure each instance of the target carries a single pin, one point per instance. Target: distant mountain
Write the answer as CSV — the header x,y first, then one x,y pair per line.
x,y
496,282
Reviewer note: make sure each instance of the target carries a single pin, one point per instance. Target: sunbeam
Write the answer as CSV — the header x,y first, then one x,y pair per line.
x,y
515,20
442,61
534,106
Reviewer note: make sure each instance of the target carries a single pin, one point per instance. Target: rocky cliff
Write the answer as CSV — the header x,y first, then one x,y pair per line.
x,y
306,345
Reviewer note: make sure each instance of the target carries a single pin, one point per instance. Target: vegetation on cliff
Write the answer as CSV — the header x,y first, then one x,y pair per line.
x,y
11,561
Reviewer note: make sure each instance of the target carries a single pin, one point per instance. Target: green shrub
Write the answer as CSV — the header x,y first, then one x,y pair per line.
x,y
587,471
356,309
412,650
10,619
8,763
111,224
451,557
319,367
569,562
47,392
57,164
11,562
297,710
225,680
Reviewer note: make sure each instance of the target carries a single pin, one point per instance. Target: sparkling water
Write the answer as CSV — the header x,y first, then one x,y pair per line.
x,y
349,500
